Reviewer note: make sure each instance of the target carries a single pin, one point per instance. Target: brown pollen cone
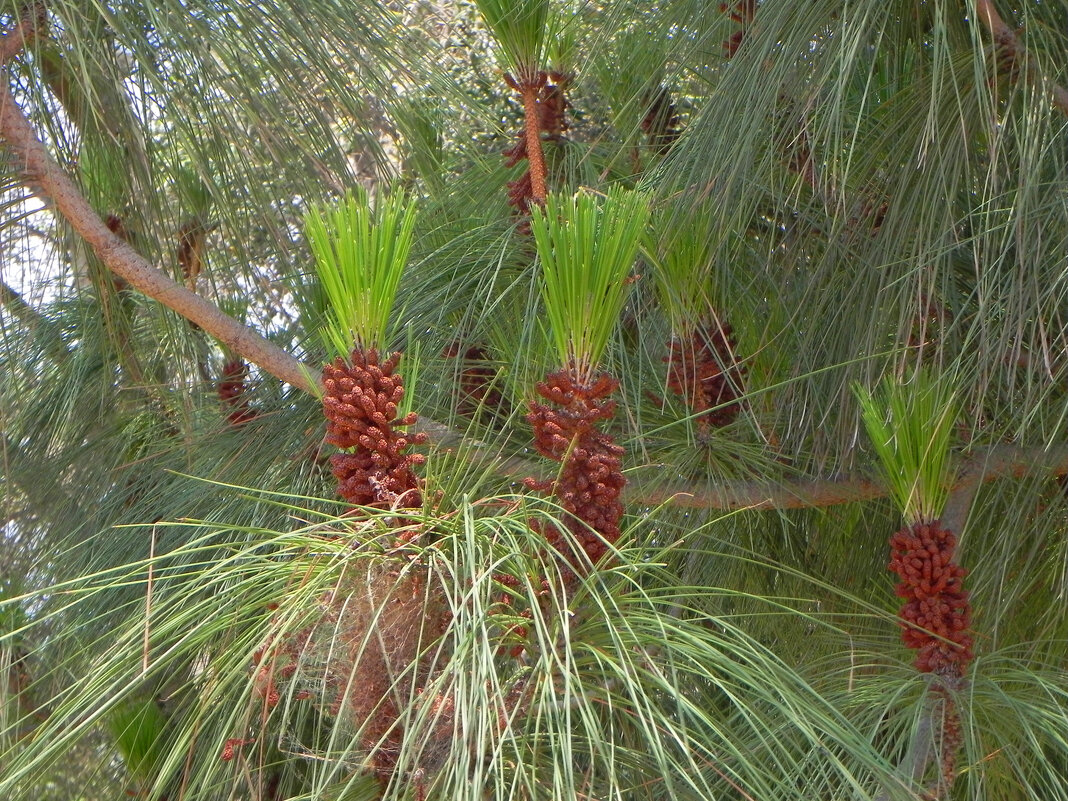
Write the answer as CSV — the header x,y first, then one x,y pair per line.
x,y
545,112
661,121
475,389
743,13
553,105
935,600
360,404
702,370
591,479
935,621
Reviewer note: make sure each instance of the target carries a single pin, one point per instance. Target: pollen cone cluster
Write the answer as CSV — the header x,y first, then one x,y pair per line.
x,y
551,107
935,600
743,13
661,120
591,480
360,404
363,660
702,370
376,678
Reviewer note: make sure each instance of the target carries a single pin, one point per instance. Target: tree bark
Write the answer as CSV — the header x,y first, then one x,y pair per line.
x,y
40,169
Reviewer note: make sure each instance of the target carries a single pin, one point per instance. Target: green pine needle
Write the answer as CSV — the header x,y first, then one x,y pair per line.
x,y
137,726
687,251
586,249
361,247
911,426
519,28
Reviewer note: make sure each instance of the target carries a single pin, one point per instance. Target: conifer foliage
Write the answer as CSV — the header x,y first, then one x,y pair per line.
x,y
586,249
911,427
609,528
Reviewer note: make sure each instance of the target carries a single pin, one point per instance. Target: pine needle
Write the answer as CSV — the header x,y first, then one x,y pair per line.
x,y
586,249
911,427
361,248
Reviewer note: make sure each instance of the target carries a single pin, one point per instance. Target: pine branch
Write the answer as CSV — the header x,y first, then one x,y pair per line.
x,y
40,169
1008,48
22,33
998,461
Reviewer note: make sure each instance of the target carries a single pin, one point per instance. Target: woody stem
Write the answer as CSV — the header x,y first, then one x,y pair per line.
x,y
535,155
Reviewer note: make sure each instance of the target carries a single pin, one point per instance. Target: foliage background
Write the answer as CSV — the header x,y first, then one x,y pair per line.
x,y
876,187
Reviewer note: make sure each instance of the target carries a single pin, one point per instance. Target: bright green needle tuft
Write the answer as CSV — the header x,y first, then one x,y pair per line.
x,y
361,247
587,247
519,28
911,426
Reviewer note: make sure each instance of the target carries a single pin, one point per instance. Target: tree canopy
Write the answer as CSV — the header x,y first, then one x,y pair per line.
x,y
533,399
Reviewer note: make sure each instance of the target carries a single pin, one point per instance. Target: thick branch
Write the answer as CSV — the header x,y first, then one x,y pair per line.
x,y
21,33
998,461
39,168
1008,46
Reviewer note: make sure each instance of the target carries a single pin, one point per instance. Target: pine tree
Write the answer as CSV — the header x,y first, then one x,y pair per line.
x,y
610,526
